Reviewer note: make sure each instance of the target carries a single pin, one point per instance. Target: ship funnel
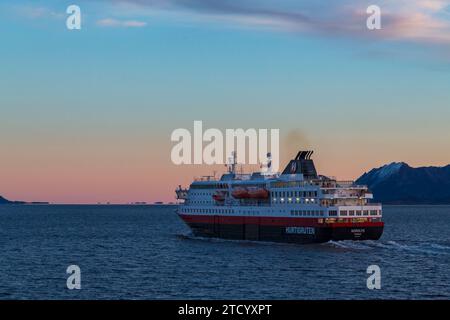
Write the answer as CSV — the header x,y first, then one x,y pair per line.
x,y
302,164
306,155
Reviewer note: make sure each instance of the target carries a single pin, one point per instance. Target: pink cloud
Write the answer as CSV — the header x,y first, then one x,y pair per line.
x,y
402,20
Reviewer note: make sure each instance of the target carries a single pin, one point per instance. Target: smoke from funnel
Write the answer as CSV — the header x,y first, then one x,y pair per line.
x,y
291,143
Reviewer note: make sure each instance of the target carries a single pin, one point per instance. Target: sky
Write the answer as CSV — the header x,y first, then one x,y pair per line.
x,y
86,115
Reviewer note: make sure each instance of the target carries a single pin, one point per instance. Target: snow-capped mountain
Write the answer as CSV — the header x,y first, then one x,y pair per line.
x,y
399,183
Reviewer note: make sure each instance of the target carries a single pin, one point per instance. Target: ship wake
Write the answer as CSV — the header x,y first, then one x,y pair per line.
x,y
423,248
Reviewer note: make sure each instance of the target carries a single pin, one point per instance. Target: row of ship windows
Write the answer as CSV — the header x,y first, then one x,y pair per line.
x,y
274,200
200,202
277,194
209,186
344,213
201,193
189,210
219,211
294,194
307,213
290,200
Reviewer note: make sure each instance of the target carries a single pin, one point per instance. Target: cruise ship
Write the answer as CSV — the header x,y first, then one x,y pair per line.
x,y
296,206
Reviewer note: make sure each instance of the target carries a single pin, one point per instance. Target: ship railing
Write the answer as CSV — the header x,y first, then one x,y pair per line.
x,y
345,183
205,178
342,196
349,187
246,204
342,206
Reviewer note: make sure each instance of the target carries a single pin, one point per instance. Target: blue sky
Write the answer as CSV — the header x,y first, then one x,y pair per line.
x,y
139,69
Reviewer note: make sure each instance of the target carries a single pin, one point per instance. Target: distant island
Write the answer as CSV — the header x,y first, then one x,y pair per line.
x,y
398,183
6,201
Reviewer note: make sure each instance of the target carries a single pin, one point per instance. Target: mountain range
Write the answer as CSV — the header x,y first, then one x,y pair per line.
x,y
398,183
6,201
395,183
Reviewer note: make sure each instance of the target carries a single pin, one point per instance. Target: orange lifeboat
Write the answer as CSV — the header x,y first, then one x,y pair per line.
x,y
240,193
219,196
258,193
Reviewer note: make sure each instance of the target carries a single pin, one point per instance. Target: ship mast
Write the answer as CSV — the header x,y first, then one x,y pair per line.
x,y
266,168
232,162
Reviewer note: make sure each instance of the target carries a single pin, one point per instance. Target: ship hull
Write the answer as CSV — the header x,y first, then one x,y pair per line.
x,y
288,230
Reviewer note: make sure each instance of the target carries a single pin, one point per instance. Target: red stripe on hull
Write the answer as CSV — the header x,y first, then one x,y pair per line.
x,y
274,221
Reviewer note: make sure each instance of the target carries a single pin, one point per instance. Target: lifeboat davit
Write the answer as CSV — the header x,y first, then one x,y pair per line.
x,y
219,196
240,193
258,193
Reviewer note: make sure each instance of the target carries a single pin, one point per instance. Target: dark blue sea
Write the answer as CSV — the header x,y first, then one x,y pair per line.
x,y
146,252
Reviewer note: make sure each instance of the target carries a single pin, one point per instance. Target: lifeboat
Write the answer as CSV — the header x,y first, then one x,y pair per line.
x,y
219,196
240,193
258,193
